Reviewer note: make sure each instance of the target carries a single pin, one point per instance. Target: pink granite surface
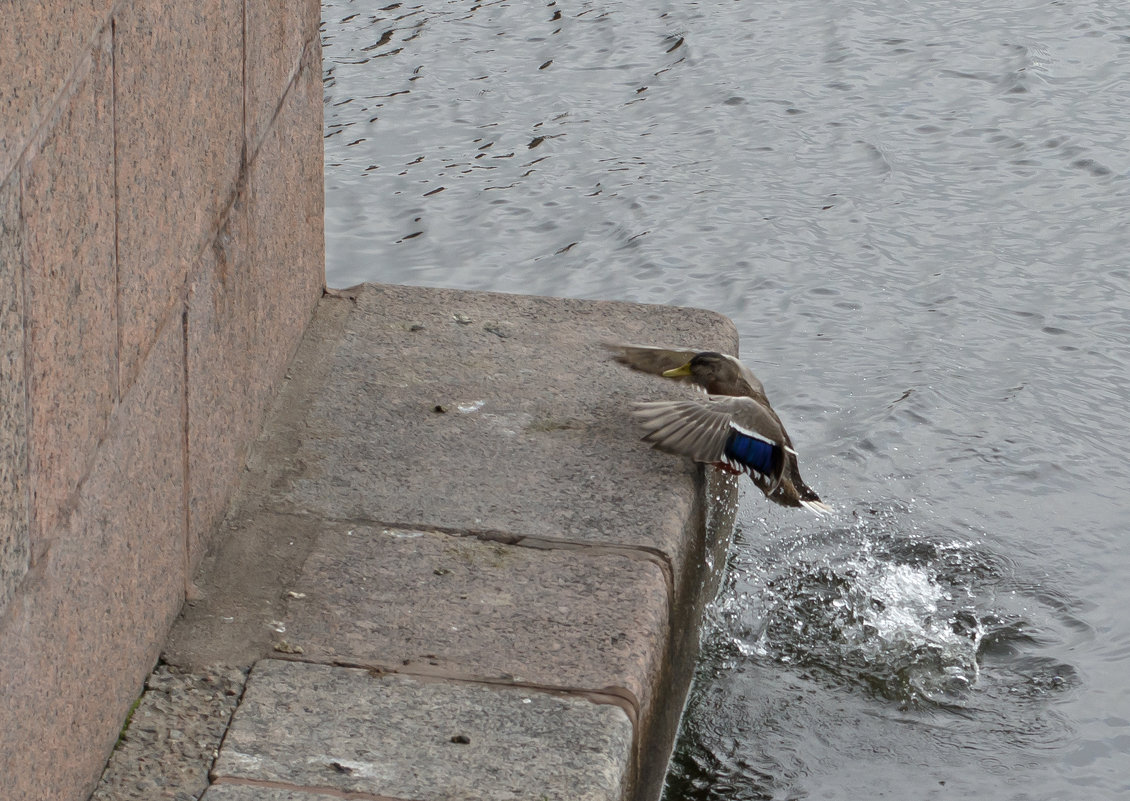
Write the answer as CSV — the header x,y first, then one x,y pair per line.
x,y
13,398
275,31
156,277
43,45
85,628
252,294
71,325
176,171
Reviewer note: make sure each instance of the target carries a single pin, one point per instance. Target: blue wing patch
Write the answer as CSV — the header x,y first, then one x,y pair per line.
x,y
751,452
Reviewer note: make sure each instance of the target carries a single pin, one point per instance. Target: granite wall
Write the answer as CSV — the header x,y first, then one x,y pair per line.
x,y
160,253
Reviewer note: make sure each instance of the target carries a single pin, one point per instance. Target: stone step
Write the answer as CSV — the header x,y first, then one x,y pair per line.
x,y
449,528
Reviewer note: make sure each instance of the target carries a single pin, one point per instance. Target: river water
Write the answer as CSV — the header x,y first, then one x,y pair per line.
x,y
917,214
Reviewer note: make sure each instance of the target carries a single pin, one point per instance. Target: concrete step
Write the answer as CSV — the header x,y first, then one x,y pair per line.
x,y
450,529
314,726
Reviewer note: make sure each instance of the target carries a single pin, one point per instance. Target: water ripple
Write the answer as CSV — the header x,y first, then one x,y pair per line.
x,y
915,214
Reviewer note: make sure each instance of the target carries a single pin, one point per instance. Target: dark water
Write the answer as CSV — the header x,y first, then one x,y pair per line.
x,y
917,215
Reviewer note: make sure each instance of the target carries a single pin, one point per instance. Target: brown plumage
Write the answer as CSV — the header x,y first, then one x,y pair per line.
x,y
733,426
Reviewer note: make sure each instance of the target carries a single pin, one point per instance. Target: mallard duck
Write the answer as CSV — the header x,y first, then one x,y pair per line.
x,y
733,427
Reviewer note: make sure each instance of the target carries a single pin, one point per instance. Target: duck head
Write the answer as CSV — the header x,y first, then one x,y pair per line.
x,y
717,373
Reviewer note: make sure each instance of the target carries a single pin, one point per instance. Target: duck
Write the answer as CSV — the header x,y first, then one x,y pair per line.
x,y
732,426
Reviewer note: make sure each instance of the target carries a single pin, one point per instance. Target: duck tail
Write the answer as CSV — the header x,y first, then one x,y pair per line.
x,y
818,508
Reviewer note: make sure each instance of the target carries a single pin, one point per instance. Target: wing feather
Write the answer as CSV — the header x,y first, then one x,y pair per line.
x,y
700,427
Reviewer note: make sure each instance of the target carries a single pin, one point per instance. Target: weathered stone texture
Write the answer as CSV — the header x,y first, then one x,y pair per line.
x,y
179,117
68,210
451,485
344,729
275,31
123,145
252,792
40,45
13,399
86,627
375,447
428,602
433,602
173,736
252,295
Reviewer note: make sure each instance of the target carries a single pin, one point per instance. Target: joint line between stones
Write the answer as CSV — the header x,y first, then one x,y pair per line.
x,y
620,697
636,552
348,795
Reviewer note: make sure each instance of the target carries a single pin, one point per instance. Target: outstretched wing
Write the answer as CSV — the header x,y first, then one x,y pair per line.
x,y
736,430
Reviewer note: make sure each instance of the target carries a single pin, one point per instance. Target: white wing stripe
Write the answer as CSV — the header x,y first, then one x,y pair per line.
x,y
755,435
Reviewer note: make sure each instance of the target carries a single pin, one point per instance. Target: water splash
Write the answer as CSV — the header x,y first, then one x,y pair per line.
x,y
894,627
900,614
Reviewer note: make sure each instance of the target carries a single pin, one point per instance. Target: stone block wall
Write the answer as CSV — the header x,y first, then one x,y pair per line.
x,y
161,251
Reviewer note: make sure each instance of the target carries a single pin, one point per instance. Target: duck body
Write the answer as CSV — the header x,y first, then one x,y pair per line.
x,y
732,426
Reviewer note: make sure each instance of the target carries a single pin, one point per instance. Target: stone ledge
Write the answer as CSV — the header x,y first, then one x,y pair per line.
x,y
173,736
346,729
450,494
485,413
258,792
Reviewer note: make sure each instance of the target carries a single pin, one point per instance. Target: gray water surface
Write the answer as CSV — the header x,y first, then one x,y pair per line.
x,y
916,213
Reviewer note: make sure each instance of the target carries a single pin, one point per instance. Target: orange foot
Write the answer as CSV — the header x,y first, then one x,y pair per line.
x,y
728,468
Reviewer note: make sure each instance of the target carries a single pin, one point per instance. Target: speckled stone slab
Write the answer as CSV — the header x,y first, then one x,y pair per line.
x,y
421,601
349,730
253,792
173,735
14,541
451,489
483,412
